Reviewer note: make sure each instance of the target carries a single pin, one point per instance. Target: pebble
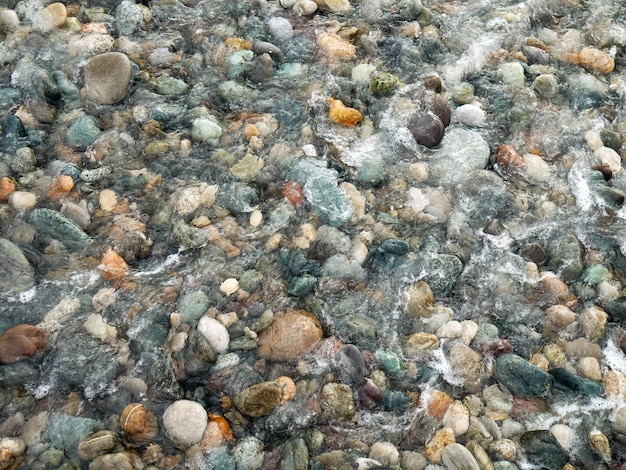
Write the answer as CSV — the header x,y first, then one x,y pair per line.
x,y
107,77
512,73
542,448
600,445
229,286
9,20
184,422
470,115
457,418
595,60
260,399
280,28
521,377
342,114
98,328
293,334
305,7
97,444
385,453
15,267
337,402
457,457
335,47
468,365
435,446
112,266
608,157
21,342
248,453
215,333
420,300
546,85
593,321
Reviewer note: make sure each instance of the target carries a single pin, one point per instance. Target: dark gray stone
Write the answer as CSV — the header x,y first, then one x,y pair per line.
x,y
16,274
294,455
566,257
566,381
58,226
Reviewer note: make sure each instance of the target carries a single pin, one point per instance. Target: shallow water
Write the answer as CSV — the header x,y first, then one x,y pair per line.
x,y
222,162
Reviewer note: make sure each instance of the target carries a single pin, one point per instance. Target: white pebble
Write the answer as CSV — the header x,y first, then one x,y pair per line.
x,y
537,169
107,199
227,319
305,7
470,115
419,171
230,286
594,141
469,328
215,333
177,343
452,329
13,444
309,232
309,150
609,157
386,453
280,28
565,435
359,252
256,218
9,21
98,328
184,422
22,200
103,298
362,73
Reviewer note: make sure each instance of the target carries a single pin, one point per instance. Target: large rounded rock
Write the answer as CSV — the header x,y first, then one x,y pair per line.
x,y
260,399
21,342
184,422
107,77
293,334
521,377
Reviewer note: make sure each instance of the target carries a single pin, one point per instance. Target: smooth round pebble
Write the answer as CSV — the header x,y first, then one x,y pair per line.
x,y
229,286
184,422
107,77
215,333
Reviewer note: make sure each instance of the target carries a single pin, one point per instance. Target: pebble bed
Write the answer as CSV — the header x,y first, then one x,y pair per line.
x,y
312,234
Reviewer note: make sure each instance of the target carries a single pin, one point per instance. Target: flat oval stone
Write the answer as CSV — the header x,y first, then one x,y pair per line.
x,y
457,457
293,334
21,342
107,77
427,129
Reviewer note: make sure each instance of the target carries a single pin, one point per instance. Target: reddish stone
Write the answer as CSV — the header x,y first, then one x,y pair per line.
x,y
21,342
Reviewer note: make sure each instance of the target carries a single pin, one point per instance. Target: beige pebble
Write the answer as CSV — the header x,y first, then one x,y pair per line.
x,y
615,384
420,343
335,47
594,141
555,355
107,199
564,435
456,418
609,158
301,242
337,6
355,197
22,200
103,298
98,328
560,315
309,232
452,329
434,447
273,242
600,445
177,343
227,319
590,367
608,290
256,218
229,286
469,328
305,7
593,321
386,453
596,60
9,21
419,171
420,300
250,333
503,449
582,347
359,252
15,445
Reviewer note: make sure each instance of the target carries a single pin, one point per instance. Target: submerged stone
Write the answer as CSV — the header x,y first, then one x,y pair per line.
x,y
569,382
521,377
57,226
16,273
319,186
542,448
107,77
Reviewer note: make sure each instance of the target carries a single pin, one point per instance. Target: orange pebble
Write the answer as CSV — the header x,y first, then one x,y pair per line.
x,y
288,389
61,187
113,266
250,131
223,425
437,402
292,192
342,114
7,186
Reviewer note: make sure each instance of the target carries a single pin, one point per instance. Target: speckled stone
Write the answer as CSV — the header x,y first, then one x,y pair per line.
x,y
337,402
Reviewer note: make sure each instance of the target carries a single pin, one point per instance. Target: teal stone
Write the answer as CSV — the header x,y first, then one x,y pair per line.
x,y
251,280
58,226
395,400
442,271
67,88
300,286
9,97
586,91
238,198
65,432
170,86
512,73
566,381
487,332
391,363
71,170
521,377
595,274
219,459
395,247
236,93
319,186
193,305
238,61
83,132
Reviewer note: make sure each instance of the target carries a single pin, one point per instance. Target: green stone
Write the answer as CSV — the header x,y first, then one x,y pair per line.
x,y
300,286
595,274
205,130
219,459
393,365
512,73
83,132
65,432
383,84
23,161
568,382
357,329
193,305
543,449
294,455
238,61
521,377
170,86
611,139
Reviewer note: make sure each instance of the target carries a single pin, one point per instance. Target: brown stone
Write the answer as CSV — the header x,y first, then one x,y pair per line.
x,y
60,187
260,399
509,160
420,300
292,334
437,403
596,60
21,342
434,447
139,423
113,266
7,186
97,444
107,77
